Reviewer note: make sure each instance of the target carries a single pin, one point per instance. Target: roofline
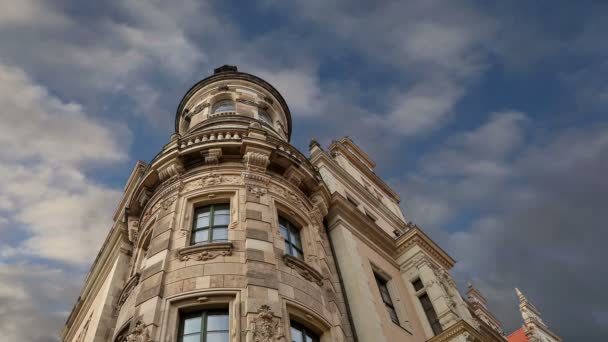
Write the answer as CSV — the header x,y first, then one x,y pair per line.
x,y
228,75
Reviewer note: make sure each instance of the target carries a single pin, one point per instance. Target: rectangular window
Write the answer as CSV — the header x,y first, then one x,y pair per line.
x,y
291,234
205,326
386,298
417,284
301,334
211,223
431,315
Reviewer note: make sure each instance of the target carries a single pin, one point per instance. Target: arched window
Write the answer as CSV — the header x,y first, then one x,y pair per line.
x,y
223,106
299,333
291,235
264,117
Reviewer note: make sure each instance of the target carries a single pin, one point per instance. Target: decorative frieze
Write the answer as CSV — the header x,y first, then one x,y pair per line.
x,y
205,251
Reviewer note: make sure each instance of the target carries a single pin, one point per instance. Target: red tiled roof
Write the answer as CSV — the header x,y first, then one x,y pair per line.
x,y
518,335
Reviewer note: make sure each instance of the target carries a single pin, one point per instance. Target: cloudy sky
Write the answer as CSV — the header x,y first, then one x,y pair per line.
x,y
489,120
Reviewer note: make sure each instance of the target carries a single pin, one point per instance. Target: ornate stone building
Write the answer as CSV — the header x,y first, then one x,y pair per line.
x,y
232,234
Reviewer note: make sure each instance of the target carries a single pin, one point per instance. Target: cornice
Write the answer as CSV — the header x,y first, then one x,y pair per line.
x,y
338,146
416,237
111,248
341,211
369,198
460,328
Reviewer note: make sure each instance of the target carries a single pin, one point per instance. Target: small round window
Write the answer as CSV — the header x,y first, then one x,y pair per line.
x,y
223,106
264,117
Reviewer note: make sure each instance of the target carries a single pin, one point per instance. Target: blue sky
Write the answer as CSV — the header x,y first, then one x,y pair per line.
x,y
488,118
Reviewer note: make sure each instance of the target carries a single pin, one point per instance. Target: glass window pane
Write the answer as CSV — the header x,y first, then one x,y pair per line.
x,y
309,338
221,220
283,231
393,314
296,253
217,322
295,237
217,337
223,106
220,234
287,248
192,325
201,235
192,338
264,116
202,221
296,335
222,209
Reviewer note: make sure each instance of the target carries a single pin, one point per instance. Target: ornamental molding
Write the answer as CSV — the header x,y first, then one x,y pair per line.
x,y
139,333
133,230
206,251
173,168
211,179
256,191
253,178
289,195
266,327
306,271
459,329
256,161
415,237
127,289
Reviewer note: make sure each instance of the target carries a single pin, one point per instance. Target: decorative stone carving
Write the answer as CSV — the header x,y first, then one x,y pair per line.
x,y
256,161
256,191
266,327
210,179
165,204
127,289
133,230
171,169
144,197
212,156
139,333
205,252
306,271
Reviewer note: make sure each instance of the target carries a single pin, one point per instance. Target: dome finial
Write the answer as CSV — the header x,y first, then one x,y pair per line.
x,y
225,68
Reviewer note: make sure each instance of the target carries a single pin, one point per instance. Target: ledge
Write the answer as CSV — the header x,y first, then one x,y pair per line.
x,y
460,328
306,271
205,251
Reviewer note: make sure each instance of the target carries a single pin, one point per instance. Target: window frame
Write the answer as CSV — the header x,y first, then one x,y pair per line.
x,y
218,104
211,225
388,301
204,315
291,229
304,331
435,324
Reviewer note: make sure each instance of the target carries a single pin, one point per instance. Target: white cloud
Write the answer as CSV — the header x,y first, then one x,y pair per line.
x,y
300,88
44,143
32,297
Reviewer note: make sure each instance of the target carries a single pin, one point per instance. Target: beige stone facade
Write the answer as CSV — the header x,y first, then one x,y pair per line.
x,y
315,245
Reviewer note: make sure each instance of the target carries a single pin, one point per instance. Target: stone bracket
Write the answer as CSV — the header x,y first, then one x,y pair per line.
x,y
306,271
205,251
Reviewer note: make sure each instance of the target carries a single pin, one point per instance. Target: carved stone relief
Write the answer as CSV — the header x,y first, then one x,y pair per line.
x,y
205,252
256,161
139,333
266,327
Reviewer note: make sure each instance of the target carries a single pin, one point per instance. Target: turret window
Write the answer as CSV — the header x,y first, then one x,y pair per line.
x,y
291,235
223,106
206,326
211,223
